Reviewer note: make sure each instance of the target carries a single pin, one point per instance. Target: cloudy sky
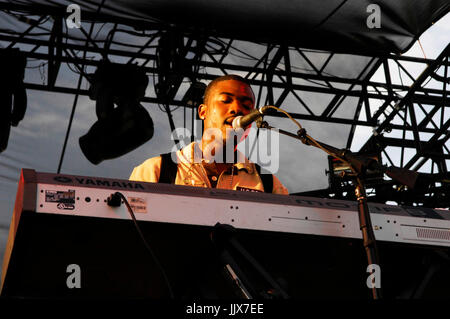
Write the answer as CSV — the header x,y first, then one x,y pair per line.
x,y
37,141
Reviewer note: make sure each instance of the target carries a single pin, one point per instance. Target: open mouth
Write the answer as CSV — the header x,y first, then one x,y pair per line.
x,y
229,121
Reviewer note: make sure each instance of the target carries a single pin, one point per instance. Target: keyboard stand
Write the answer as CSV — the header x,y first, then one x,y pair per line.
x,y
228,248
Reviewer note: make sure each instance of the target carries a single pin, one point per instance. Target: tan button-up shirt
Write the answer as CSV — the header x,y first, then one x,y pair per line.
x,y
191,172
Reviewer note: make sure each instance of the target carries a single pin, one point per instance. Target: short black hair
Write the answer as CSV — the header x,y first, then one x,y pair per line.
x,y
220,79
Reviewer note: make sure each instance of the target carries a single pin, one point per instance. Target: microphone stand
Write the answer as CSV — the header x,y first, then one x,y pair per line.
x,y
359,165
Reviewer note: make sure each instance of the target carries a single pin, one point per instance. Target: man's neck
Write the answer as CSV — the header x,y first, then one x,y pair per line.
x,y
219,165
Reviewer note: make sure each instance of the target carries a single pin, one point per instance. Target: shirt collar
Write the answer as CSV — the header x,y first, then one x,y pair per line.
x,y
193,154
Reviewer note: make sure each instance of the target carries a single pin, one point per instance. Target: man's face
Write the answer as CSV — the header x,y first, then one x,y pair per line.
x,y
227,100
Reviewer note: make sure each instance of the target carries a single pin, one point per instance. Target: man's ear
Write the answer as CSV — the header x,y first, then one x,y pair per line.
x,y
202,111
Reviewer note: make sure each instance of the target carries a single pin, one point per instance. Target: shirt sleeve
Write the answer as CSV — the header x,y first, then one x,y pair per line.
x,y
148,171
278,187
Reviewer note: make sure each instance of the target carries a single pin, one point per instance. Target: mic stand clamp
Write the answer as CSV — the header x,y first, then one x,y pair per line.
x,y
261,124
301,133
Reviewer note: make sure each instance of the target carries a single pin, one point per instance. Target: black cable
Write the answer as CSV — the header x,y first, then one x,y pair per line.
x,y
75,54
156,66
80,80
98,31
400,74
329,15
74,38
37,66
8,31
253,58
147,246
27,17
137,34
72,113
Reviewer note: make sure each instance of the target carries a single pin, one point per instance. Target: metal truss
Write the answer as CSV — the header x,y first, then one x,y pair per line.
x,y
408,114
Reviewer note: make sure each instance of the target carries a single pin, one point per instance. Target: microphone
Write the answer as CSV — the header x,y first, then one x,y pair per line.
x,y
246,120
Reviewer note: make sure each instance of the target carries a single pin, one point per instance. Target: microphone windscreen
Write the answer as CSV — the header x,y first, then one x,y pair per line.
x,y
236,124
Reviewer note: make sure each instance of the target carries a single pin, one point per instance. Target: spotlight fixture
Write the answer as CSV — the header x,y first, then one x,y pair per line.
x,y
13,96
122,128
194,95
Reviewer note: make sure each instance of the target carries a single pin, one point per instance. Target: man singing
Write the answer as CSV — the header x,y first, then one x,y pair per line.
x,y
208,164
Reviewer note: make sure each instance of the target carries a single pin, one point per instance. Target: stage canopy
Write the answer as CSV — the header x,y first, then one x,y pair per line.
x,y
336,25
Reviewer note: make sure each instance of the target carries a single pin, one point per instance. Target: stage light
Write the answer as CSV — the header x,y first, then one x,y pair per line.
x,y
122,128
194,96
13,96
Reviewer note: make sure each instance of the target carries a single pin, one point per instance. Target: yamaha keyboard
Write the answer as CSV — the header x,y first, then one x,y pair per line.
x,y
62,219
